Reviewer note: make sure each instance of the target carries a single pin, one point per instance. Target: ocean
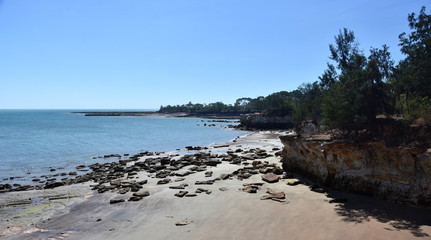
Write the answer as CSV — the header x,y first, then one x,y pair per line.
x,y
34,141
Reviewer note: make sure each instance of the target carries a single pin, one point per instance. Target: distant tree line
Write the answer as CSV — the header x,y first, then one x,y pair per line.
x,y
355,87
275,104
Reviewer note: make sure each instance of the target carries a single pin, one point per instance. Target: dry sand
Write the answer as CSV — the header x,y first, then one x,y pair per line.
x,y
226,213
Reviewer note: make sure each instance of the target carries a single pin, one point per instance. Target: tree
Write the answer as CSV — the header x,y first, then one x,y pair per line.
x,y
378,70
342,102
412,81
354,88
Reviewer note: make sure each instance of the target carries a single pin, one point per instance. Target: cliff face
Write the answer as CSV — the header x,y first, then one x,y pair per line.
x,y
399,174
260,121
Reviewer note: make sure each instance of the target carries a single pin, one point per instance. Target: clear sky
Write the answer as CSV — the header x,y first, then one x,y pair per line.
x,y
140,54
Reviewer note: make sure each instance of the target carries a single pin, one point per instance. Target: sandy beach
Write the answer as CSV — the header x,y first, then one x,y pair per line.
x,y
223,209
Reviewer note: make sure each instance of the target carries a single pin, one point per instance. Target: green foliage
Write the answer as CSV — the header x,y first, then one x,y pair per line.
x,y
279,104
412,82
355,90
419,107
307,105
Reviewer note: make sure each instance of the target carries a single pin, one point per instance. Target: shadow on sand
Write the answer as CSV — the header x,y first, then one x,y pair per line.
x,y
356,208
359,209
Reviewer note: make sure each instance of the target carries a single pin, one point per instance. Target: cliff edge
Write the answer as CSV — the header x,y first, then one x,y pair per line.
x,y
401,173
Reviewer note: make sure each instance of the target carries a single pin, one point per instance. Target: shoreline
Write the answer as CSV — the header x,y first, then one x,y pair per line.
x,y
234,205
220,116
60,172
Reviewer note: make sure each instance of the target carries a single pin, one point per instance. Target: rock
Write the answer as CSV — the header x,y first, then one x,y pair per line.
x,y
274,194
183,174
162,174
201,169
201,190
126,183
53,185
317,189
183,222
143,182
135,198
123,190
164,181
277,170
213,162
191,148
223,189
293,182
141,193
208,182
80,166
224,176
208,174
181,194
270,178
250,189
182,186
116,200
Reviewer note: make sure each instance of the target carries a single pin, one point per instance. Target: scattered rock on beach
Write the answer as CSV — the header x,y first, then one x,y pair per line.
x,y
135,198
224,176
181,194
116,200
141,193
293,182
183,222
208,182
201,190
164,181
182,186
270,178
251,187
53,185
273,195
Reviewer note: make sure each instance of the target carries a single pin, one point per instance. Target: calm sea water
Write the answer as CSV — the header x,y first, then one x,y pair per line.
x,y
33,141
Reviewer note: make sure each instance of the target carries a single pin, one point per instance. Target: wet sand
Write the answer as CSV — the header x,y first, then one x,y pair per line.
x,y
227,213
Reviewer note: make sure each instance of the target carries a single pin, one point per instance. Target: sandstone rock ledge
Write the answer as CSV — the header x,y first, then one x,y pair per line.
x,y
398,174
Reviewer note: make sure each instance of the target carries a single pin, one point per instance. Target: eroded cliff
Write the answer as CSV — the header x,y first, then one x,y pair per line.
x,y
397,173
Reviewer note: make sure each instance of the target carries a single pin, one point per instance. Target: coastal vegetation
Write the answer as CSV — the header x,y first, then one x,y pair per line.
x,y
355,87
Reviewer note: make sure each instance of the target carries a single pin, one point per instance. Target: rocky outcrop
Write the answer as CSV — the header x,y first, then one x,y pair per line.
x,y
401,174
262,121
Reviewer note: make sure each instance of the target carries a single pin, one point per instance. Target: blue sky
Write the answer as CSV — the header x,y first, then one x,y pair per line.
x,y
140,54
